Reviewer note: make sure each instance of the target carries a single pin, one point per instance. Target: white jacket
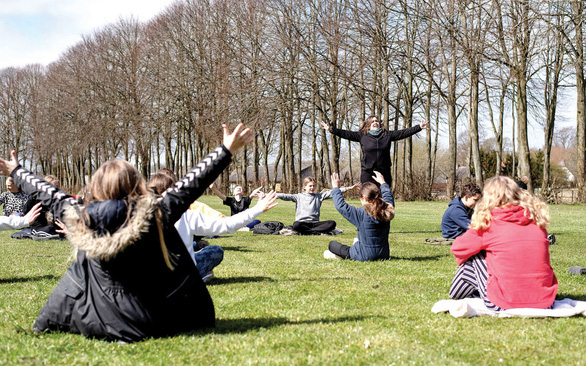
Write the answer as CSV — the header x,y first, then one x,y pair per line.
x,y
193,222
13,222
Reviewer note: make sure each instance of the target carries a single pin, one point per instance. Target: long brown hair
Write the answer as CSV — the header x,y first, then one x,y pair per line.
x,y
376,206
160,182
366,124
117,180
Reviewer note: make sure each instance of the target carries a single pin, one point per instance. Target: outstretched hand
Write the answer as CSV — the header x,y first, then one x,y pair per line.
x,y
354,186
268,201
335,180
62,228
34,212
257,193
7,166
325,125
238,138
378,177
424,125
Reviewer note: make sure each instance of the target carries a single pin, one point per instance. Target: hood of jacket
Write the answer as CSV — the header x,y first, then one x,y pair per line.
x,y
106,229
513,214
456,201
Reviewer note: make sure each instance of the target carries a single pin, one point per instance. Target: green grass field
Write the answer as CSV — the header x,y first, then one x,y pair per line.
x,y
278,301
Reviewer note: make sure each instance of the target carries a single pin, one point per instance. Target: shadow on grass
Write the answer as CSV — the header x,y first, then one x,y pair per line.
x,y
227,326
421,259
232,280
238,249
28,279
563,295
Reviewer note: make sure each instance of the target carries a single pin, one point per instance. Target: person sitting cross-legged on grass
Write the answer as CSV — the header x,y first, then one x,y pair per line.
x,y
373,221
239,202
504,256
457,217
132,277
307,209
196,223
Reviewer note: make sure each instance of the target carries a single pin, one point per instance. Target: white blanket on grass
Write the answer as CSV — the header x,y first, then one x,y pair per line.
x,y
469,307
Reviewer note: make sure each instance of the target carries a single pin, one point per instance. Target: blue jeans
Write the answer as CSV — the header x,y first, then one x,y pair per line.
x,y
253,224
208,258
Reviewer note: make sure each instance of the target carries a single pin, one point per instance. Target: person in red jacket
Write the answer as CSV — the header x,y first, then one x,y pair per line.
x,y
504,256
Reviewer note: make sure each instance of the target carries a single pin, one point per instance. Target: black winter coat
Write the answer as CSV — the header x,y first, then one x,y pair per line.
x,y
119,287
376,150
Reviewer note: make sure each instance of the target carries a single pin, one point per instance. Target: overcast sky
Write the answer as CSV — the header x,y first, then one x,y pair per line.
x,y
38,31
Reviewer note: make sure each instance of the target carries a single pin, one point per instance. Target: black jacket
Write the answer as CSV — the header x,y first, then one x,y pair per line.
x,y
376,150
119,287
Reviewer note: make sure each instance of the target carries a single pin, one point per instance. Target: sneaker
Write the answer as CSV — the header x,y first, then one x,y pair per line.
x,y
42,236
577,270
200,244
337,231
551,238
287,232
244,228
208,277
330,255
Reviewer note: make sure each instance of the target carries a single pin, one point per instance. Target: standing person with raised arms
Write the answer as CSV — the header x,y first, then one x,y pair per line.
x,y
132,277
375,142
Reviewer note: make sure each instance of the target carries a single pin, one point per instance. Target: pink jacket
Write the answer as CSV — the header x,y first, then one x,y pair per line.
x,y
517,260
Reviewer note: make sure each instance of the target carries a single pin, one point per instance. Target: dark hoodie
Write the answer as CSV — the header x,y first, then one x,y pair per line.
x,y
456,219
119,286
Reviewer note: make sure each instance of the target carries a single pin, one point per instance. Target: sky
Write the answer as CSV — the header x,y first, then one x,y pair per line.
x,y
38,31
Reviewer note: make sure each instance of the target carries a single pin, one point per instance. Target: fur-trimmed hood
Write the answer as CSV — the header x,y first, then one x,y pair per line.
x,y
106,229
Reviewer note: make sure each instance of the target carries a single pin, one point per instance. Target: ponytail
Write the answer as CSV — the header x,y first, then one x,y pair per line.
x,y
376,206
380,209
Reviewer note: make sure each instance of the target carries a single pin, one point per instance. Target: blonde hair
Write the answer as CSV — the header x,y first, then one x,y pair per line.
x,y
502,191
52,180
307,180
117,180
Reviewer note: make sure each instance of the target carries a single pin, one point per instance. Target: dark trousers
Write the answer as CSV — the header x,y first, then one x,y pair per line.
x,y
366,176
314,227
339,249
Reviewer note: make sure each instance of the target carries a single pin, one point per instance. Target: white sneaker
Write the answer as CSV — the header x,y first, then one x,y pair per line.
x,y
330,255
244,228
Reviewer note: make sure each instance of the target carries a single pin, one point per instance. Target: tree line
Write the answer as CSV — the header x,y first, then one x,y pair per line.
x,y
155,93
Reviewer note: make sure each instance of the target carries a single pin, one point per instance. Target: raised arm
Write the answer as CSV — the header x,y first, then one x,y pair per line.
x,y
404,133
386,194
47,194
196,223
176,200
217,192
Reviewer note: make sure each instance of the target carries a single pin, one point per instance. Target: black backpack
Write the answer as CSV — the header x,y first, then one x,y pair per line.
x,y
268,228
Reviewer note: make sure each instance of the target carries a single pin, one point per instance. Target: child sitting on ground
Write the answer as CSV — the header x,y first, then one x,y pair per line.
x,y
132,277
372,221
14,199
457,217
504,256
196,223
307,209
239,202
